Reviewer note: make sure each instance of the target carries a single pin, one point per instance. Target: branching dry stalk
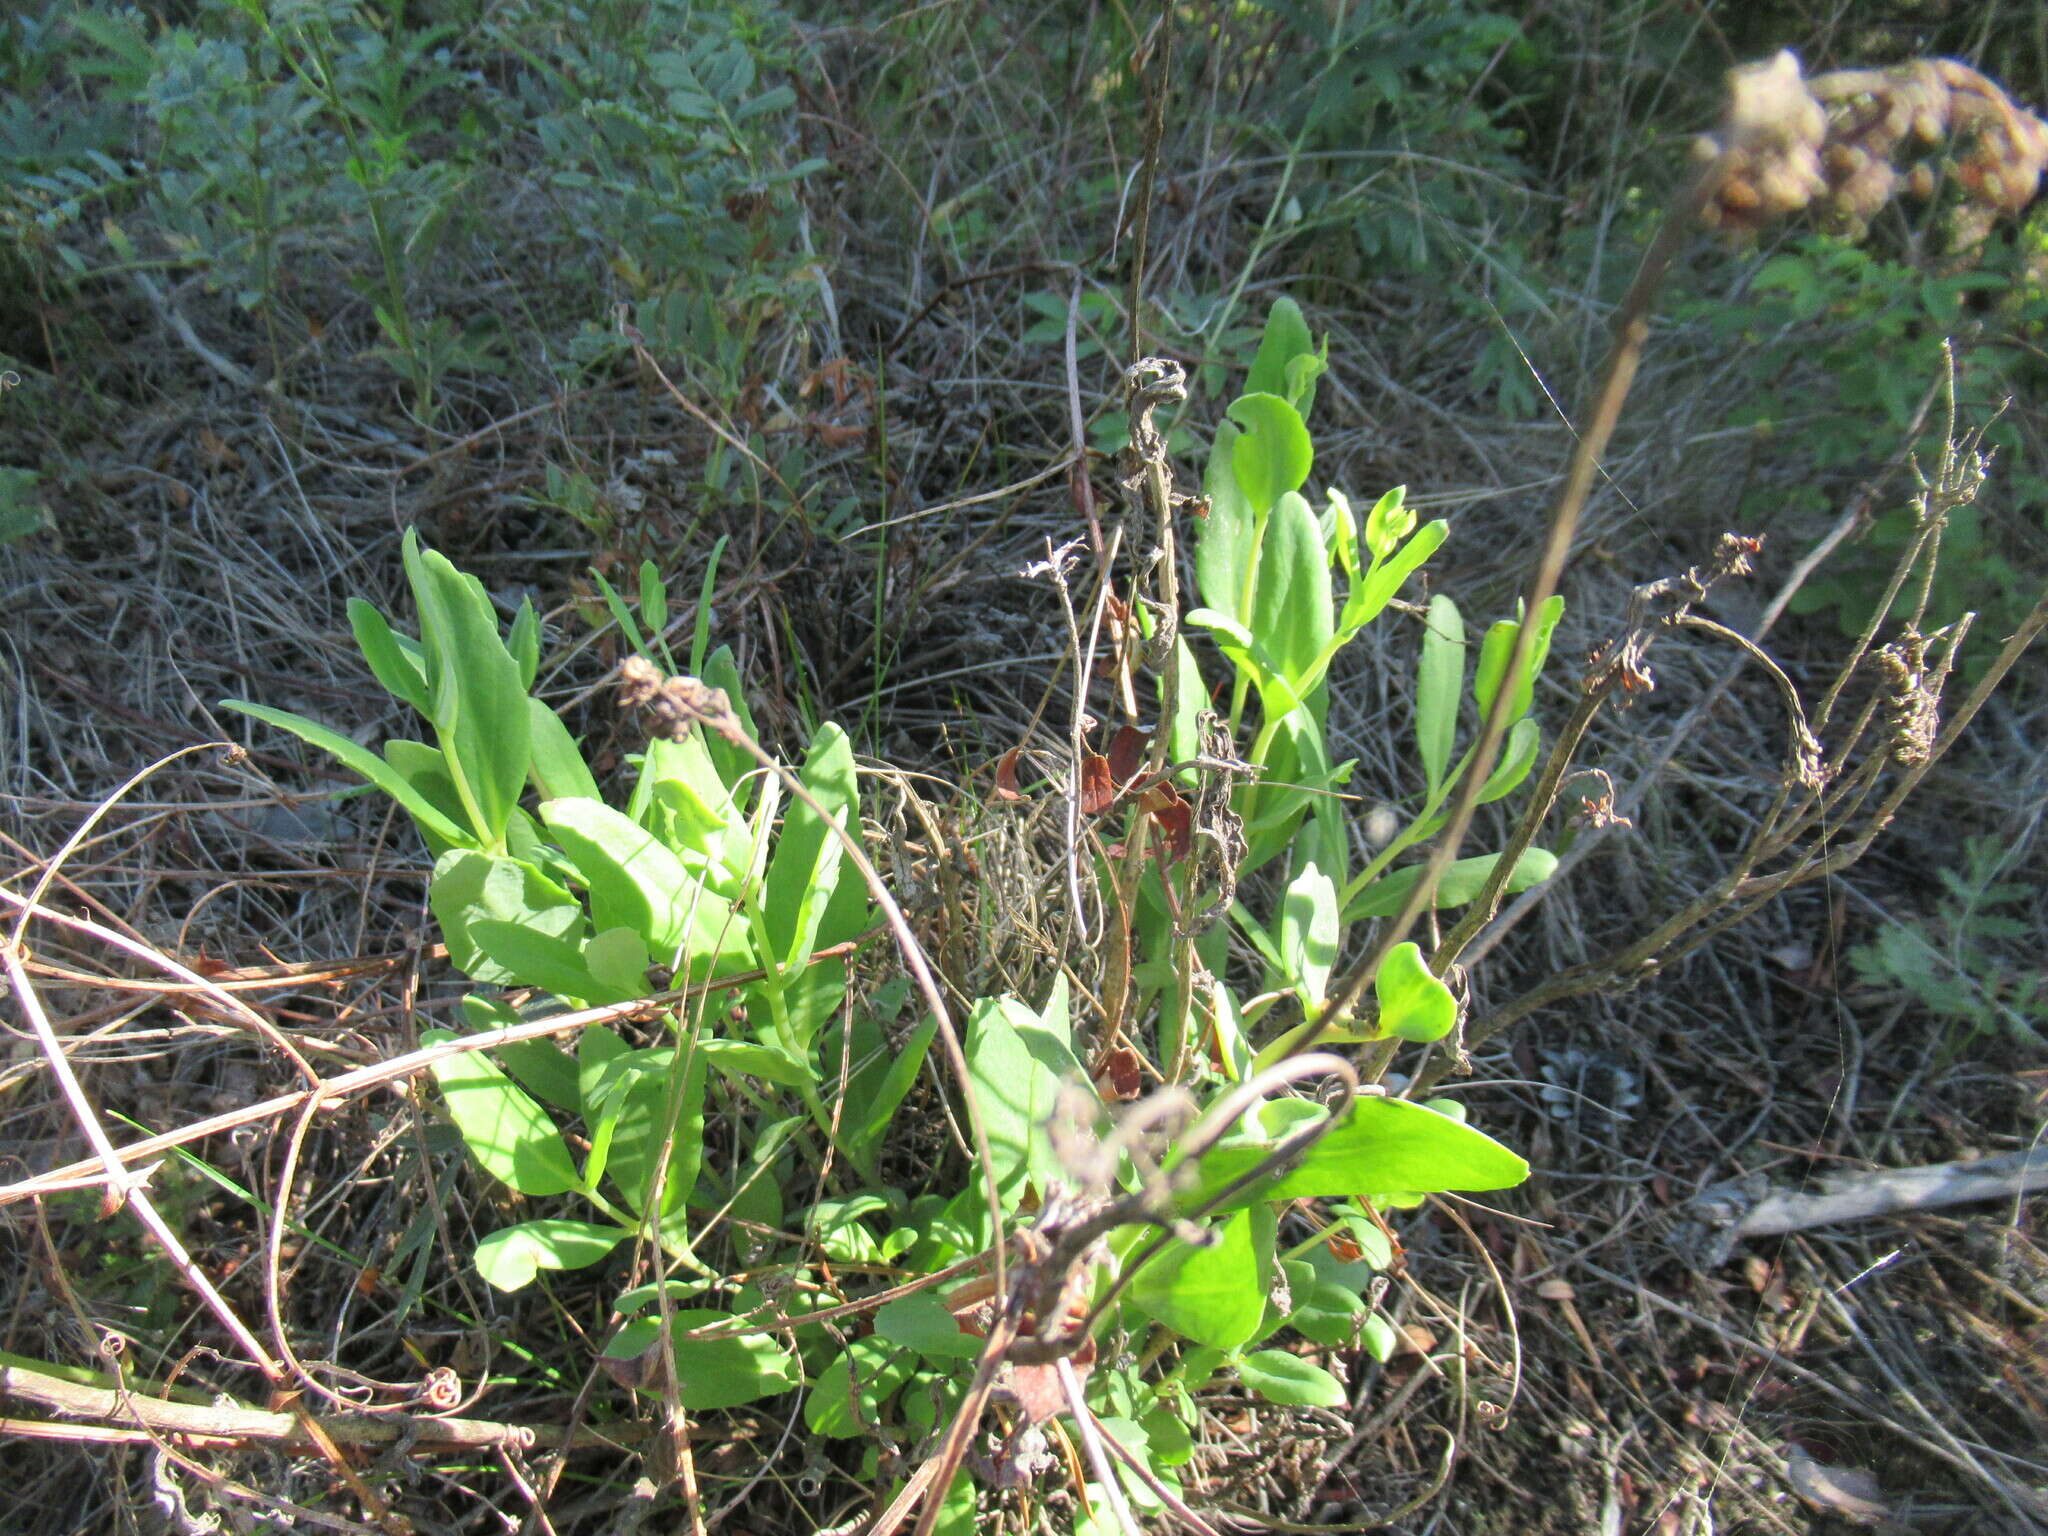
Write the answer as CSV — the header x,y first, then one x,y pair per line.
x,y
1817,825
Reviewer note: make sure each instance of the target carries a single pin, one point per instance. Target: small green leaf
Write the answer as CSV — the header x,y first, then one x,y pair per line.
x,y
1371,596
396,663
510,1257
478,701
635,880
1171,1444
1292,614
1223,539
805,866
1327,1313
1392,1146
896,1085
362,760
653,598
1497,650
505,1131
1439,682
1388,523
1279,1377
541,1067
1414,1002
559,772
723,1370
469,887
1014,1093
922,1322
1285,340
743,1058
1461,882
1214,1295
531,958
1516,759
841,1408
1273,455
524,643
617,960
1308,935
1379,1338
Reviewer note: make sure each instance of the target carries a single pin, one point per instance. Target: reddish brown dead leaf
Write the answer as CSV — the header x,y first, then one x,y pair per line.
x,y
1176,821
1127,753
1098,788
1119,1075
1006,776
1415,1339
1116,619
832,434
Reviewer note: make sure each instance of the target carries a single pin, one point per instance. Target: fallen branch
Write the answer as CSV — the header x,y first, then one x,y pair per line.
x,y
1725,1214
236,1422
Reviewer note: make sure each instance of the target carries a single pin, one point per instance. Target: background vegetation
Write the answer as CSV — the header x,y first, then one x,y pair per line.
x,y
281,281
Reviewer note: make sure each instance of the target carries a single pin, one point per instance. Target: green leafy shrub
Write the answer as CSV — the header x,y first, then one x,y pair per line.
x,y
1972,961
725,875
1841,347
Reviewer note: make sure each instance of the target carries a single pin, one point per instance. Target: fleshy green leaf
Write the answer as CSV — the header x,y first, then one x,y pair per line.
x,y
1439,682
723,1370
1223,539
922,1322
743,1058
1214,1295
1414,1002
1015,1078
1308,935
1286,339
805,866
395,662
1516,759
1291,610
505,1131
1328,1313
559,772
1371,596
1273,454
902,1075
832,1411
360,759
476,696
1279,1377
617,960
533,958
653,598
524,643
1388,523
635,881
1498,649
510,1257
541,1067
1461,882
1384,1146
469,887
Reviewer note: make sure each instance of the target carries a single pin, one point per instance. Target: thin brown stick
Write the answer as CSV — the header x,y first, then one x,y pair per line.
x,y
237,1423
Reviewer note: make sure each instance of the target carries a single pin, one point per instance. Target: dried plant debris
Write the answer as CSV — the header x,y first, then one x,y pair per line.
x,y
1848,142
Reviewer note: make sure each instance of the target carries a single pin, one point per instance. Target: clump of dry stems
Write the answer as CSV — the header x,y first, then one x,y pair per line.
x,y
1846,143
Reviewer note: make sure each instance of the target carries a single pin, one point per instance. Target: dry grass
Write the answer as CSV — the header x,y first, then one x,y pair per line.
x,y
1590,1376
